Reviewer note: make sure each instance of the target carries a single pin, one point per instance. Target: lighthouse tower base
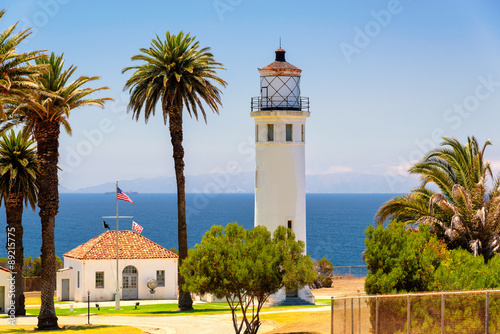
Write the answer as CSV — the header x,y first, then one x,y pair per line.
x,y
303,297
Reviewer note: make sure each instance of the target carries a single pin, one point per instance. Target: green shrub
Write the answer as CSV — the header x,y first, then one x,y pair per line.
x,y
324,270
402,260
399,259
461,270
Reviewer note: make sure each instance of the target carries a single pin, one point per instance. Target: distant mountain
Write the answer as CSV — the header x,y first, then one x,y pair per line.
x,y
244,183
63,189
350,182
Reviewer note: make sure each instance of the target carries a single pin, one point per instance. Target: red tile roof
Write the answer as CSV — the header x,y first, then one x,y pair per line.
x,y
132,246
5,269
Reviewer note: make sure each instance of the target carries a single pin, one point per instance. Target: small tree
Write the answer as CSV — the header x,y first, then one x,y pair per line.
x,y
324,270
245,267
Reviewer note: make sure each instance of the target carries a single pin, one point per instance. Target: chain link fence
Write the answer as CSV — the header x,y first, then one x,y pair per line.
x,y
350,271
467,312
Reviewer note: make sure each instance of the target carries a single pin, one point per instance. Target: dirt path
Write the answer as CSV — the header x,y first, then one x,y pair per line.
x,y
200,324
208,324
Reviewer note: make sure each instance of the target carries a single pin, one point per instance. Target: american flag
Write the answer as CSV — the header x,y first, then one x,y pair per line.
x,y
121,195
136,227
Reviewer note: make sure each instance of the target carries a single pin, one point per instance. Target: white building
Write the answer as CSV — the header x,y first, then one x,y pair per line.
x,y
91,267
280,115
5,286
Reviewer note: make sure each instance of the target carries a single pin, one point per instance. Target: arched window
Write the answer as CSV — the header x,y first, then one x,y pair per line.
x,y
130,270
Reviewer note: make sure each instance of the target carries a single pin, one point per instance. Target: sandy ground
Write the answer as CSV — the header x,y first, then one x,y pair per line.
x,y
342,287
220,323
319,320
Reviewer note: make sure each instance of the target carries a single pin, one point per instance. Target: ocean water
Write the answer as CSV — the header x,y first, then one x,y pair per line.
x,y
335,222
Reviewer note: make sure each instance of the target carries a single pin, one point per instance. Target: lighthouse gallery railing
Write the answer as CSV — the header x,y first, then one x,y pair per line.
x,y
279,103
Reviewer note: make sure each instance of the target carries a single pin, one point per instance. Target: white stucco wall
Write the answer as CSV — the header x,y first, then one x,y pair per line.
x,y
6,284
280,184
146,269
65,273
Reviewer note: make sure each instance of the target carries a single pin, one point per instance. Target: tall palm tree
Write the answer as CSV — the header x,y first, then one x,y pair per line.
x,y
175,73
464,212
15,71
42,112
18,170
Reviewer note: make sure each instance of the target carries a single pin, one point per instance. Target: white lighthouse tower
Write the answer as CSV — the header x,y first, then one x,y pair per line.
x,y
280,115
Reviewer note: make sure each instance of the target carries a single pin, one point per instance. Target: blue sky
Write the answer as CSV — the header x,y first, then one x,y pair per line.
x,y
386,79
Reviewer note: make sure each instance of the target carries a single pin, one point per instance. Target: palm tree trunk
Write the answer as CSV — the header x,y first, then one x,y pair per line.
x,y
175,125
47,138
14,213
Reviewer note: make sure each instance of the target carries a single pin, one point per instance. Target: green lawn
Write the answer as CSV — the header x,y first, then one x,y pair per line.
x,y
142,310
160,309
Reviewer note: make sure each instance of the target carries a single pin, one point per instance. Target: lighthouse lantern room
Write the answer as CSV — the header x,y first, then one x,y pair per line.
x,y
280,114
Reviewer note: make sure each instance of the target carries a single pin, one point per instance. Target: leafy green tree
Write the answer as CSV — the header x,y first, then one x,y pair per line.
x,y
399,259
324,270
42,112
175,73
245,267
18,173
464,213
32,266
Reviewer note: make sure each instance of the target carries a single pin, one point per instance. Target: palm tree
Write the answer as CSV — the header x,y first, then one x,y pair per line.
x,y
42,112
464,213
18,170
15,71
178,74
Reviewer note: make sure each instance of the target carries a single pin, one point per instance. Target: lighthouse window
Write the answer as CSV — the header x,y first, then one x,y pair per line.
x,y
256,132
303,133
270,132
289,224
289,132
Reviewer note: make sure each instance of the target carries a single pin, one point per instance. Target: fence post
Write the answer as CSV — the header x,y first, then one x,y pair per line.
x,y
376,315
487,320
359,314
442,313
352,315
332,324
408,315
345,315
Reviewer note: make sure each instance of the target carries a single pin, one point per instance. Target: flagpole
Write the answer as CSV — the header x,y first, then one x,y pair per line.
x,y
117,295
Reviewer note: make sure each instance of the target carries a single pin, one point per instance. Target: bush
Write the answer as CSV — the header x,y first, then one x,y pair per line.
x,y
324,270
402,260
461,270
399,259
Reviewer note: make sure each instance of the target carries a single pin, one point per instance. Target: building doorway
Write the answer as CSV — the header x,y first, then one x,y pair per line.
x,y
129,286
65,289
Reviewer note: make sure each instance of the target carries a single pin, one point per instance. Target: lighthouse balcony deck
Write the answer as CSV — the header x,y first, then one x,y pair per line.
x,y
299,103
